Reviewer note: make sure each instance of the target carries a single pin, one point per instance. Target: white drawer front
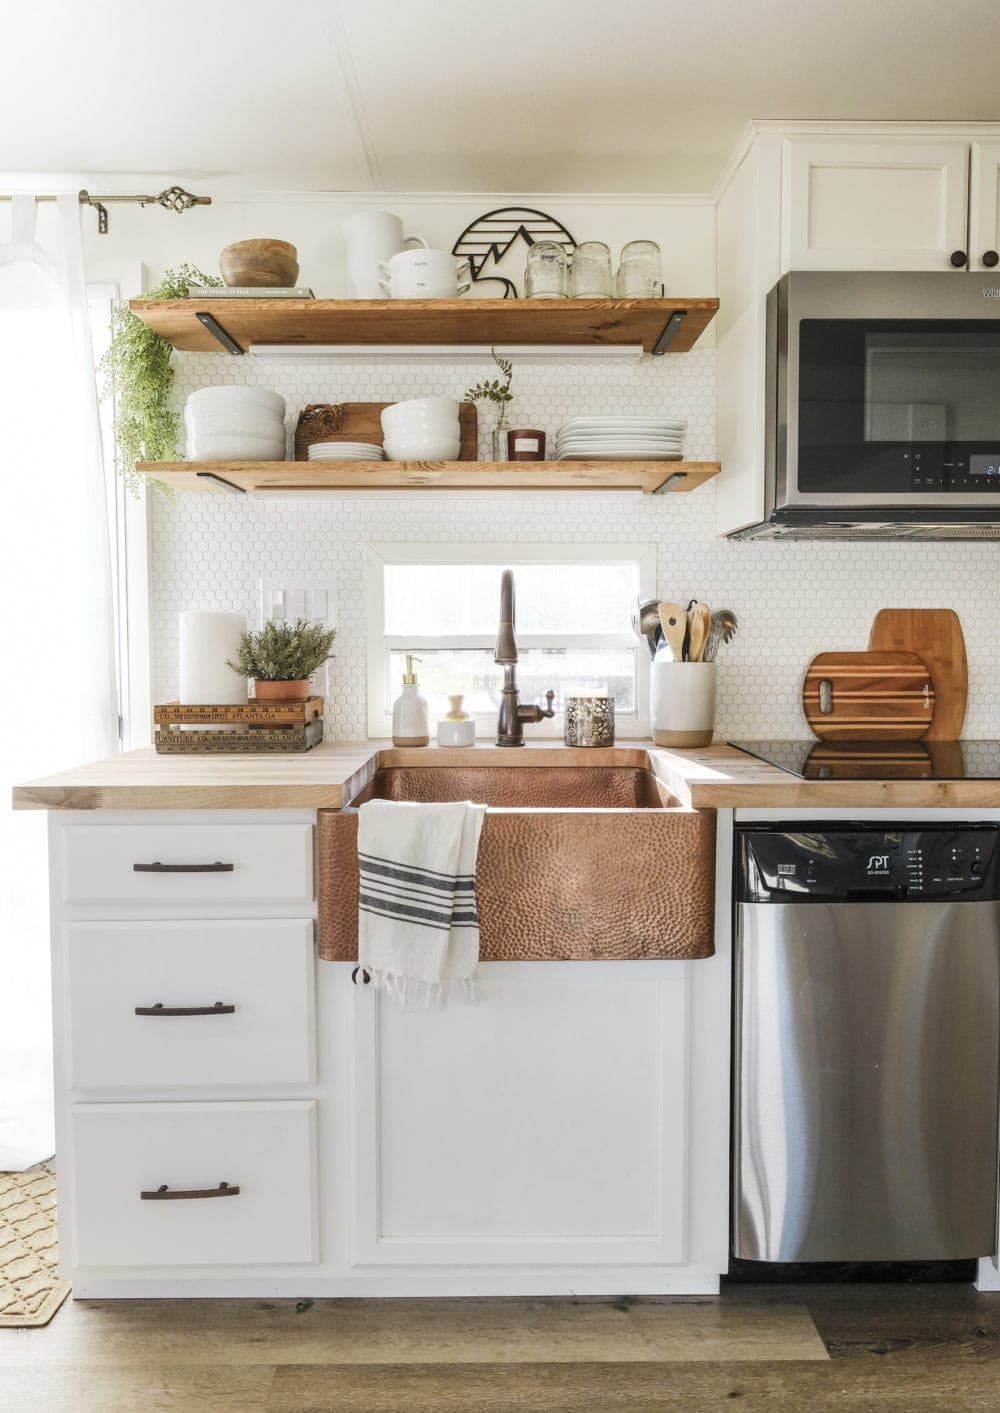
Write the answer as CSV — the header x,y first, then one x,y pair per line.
x,y
265,970
266,1150
177,863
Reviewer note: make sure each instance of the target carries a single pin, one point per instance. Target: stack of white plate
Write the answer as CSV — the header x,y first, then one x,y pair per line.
x,y
235,424
345,451
620,439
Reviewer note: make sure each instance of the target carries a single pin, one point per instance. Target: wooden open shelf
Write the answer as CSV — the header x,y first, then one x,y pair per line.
x,y
653,477
205,325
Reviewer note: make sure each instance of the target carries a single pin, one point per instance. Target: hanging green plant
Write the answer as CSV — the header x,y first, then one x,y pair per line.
x,y
138,375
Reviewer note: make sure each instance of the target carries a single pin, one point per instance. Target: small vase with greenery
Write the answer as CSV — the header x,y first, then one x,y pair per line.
x,y
139,376
497,391
282,657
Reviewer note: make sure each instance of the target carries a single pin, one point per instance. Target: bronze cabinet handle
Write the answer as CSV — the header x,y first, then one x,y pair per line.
x,y
183,868
159,1009
183,1194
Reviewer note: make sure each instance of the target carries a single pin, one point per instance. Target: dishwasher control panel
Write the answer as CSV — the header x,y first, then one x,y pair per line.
x,y
806,863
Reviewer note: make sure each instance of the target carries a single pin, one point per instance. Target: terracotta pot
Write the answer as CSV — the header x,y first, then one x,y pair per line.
x,y
298,691
272,264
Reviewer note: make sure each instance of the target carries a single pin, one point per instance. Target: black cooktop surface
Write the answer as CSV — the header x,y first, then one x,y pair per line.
x,y
880,760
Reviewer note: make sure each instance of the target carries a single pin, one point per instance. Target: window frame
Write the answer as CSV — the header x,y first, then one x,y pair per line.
x,y
380,646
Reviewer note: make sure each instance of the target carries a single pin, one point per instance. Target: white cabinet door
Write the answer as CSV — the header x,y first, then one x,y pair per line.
x,y
984,207
547,1125
873,205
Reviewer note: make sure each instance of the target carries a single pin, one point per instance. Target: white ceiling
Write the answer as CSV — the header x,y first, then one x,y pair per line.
x,y
444,95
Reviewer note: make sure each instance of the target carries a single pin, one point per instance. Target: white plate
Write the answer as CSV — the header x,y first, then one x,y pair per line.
x,y
349,456
613,448
321,447
620,456
590,425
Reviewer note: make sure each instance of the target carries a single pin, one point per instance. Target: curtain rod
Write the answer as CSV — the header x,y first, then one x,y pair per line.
x,y
172,198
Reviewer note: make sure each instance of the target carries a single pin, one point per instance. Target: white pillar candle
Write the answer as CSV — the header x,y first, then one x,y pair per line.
x,y
207,640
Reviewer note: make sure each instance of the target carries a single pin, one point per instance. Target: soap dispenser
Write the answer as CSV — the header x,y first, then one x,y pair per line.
x,y
410,722
458,727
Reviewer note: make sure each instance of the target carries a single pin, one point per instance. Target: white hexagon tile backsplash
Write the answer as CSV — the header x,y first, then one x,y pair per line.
x,y
793,600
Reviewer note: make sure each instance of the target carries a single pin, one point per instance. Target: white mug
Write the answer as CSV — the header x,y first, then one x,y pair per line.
x,y
371,237
424,274
681,702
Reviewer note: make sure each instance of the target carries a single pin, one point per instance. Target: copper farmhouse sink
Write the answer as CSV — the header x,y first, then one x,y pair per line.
x,y
583,863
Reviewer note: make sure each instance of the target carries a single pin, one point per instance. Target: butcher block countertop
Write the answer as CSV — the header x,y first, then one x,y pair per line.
x,y
714,777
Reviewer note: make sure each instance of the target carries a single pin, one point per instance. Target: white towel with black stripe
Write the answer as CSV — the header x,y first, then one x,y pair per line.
x,y
418,929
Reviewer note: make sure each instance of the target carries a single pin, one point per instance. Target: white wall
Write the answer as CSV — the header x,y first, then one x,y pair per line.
x,y
793,600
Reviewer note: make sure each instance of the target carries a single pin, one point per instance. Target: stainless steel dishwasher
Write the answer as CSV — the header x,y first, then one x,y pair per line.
x,y
867,1042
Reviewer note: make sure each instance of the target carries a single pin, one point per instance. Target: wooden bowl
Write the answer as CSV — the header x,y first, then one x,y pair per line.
x,y
270,264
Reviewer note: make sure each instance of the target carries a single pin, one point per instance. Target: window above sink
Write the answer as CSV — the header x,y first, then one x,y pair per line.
x,y
441,602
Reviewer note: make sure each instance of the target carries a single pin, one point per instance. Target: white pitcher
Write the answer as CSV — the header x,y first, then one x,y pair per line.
x,y
371,237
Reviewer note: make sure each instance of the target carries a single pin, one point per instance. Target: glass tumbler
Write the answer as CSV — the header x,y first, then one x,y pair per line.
x,y
590,270
639,272
546,274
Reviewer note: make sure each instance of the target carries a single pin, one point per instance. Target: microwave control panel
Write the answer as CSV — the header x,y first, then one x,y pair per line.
x,y
935,468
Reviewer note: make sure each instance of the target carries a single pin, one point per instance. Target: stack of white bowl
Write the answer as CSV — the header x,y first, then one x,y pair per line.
x,y
422,429
235,424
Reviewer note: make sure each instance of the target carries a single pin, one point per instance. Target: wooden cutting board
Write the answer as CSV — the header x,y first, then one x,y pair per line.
x,y
360,422
883,696
935,635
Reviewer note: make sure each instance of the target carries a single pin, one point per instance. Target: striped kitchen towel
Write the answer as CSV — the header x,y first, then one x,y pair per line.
x,y
418,930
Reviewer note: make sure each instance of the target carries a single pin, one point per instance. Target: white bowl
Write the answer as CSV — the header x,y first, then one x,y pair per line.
x,y
234,421
221,397
235,448
421,412
422,448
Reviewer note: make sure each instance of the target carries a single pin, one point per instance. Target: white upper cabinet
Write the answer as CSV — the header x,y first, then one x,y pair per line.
x,y
984,207
869,204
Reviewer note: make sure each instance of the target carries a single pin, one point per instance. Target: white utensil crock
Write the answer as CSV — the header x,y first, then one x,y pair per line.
x,y
424,274
681,702
372,237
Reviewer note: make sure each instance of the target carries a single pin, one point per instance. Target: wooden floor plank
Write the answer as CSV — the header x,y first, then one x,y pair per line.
x,y
917,1384
116,1332
174,1388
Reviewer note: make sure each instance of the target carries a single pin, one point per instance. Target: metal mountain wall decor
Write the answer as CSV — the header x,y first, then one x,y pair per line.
x,y
489,238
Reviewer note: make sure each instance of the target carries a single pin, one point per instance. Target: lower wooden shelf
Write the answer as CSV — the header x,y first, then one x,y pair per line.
x,y
271,477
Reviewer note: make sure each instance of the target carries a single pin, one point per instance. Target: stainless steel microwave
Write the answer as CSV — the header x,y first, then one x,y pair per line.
x,y
883,407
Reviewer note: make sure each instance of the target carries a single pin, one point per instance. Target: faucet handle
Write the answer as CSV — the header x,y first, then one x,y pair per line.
x,y
549,698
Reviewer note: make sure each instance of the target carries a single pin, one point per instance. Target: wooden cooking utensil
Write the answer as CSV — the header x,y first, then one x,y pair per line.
x,y
935,635
673,621
868,696
699,624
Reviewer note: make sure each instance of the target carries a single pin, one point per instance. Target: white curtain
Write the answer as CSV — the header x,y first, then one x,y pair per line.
x,y
58,702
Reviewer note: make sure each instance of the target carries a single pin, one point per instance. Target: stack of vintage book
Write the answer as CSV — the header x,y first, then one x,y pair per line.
x,y
257,726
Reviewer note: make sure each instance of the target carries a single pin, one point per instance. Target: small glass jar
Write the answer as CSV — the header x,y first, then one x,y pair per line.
x,y
589,721
639,271
546,275
590,271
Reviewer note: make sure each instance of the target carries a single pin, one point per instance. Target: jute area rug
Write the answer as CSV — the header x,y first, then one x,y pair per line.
x,y
30,1290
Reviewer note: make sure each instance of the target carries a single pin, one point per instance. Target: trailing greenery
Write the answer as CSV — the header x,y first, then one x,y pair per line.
x,y
138,375
284,652
495,390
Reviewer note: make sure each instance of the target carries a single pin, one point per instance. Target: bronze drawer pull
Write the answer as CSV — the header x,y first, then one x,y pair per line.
x,y
219,1009
183,868
167,1194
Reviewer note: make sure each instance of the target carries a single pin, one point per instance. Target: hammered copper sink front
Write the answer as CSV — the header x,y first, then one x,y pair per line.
x,y
576,863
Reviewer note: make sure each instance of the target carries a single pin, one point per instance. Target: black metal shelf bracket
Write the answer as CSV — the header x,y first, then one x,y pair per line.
x,y
229,485
218,332
670,482
670,331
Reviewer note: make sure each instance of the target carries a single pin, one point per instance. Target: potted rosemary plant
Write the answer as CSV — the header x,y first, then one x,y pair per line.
x,y
282,657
